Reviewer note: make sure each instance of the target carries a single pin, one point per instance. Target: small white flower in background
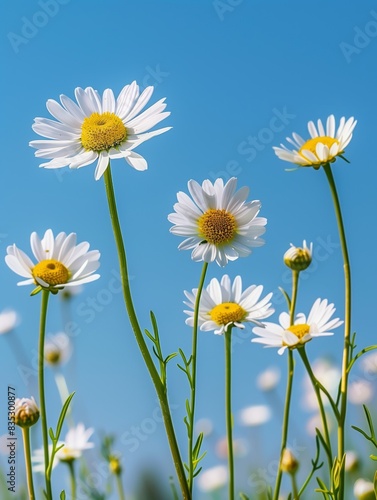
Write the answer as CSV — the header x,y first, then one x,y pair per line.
x,y
38,459
268,379
239,447
205,426
76,441
360,392
352,461
318,324
255,415
57,349
60,262
26,412
369,362
9,319
224,304
98,129
213,479
328,374
218,223
323,147
364,490
299,258
316,422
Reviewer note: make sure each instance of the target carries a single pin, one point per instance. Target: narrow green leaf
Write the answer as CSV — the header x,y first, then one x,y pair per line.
x,y
196,473
198,444
51,434
361,432
370,422
157,354
244,497
171,356
149,335
62,495
62,416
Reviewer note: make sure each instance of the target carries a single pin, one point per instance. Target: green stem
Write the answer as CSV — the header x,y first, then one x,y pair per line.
x,y
228,406
29,471
288,394
317,391
118,479
160,388
347,324
42,403
294,487
72,478
193,378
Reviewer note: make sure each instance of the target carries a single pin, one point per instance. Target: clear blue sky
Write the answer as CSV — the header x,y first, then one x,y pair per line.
x,y
227,68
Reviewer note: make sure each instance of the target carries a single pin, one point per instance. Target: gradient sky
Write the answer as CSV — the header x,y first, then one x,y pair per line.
x,y
227,69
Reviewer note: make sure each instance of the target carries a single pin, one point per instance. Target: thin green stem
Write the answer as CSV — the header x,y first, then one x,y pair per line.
x,y
193,378
29,471
347,324
72,478
288,394
118,479
228,408
294,487
160,388
42,402
317,391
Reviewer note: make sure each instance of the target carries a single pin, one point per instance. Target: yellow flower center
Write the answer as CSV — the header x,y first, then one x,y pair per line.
x,y
228,312
311,145
217,226
102,131
299,330
52,356
51,271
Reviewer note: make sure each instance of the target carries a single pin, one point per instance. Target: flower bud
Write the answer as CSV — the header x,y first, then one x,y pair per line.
x,y
289,462
26,412
115,465
364,490
352,461
298,259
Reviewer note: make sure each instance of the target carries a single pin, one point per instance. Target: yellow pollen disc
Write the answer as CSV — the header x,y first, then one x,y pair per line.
x,y
217,226
102,131
51,271
229,312
311,145
299,330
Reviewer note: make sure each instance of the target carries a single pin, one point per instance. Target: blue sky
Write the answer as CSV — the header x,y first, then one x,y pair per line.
x,y
238,77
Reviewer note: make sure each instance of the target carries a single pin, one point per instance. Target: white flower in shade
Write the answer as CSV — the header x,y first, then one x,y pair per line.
x,y
328,375
268,379
213,479
204,426
57,349
364,490
360,392
224,304
317,324
299,259
76,441
239,447
255,415
8,320
322,147
60,262
218,223
97,129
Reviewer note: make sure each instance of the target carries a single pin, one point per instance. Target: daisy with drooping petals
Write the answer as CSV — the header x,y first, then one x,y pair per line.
x,y
224,304
98,128
324,145
318,324
217,222
60,262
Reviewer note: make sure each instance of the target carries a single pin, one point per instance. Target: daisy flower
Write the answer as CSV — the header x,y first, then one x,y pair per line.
x,y
322,147
217,222
97,129
76,441
57,349
318,324
224,304
60,262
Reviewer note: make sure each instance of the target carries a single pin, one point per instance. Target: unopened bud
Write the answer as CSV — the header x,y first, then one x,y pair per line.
x,y
115,466
289,463
364,490
26,412
298,259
